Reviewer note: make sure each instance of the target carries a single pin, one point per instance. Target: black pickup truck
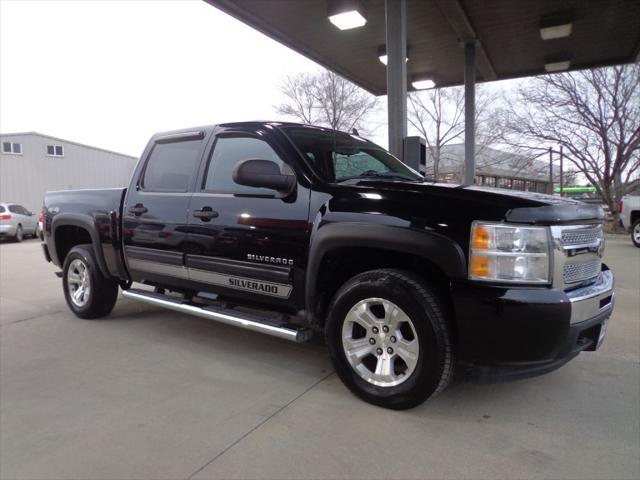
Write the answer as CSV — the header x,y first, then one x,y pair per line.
x,y
294,230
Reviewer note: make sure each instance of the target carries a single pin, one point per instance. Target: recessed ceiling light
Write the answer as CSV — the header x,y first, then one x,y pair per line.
x,y
560,66
551,32
383,57
346,14
422,83
348,20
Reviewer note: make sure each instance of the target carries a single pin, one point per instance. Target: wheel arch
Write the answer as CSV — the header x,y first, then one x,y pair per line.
x,y
339,251
69,230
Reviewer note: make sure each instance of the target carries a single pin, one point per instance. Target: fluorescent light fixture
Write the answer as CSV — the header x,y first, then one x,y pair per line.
x,y
348,20
552,32
560,66
422,83
346,14
382,55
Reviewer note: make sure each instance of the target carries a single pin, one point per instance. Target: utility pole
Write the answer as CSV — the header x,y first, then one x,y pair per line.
x,y
561,179
550,171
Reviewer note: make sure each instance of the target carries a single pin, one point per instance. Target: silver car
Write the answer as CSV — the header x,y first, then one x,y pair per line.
x,y
17,222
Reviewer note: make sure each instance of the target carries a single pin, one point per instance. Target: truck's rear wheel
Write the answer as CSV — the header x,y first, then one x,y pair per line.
x,y
388,338
635,233
87,291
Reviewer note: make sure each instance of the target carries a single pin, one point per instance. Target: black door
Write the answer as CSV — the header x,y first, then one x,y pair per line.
x,y
244,241
156,210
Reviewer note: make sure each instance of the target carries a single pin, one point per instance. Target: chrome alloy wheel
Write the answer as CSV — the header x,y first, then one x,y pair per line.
x,y
79,282
380,342
636,233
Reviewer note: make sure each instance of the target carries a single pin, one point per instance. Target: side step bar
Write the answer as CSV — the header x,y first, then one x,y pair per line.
x,y
226,316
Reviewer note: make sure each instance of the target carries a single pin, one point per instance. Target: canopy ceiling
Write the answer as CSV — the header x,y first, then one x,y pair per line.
x,y
604,32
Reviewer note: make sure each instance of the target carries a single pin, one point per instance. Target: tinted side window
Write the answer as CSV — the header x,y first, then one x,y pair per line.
x,y
228,151
171,166
15,209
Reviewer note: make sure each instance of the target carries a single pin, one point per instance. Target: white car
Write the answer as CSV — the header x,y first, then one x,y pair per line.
x,y
629,209
17,222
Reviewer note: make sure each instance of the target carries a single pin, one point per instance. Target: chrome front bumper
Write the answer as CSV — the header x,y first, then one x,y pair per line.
x,y
593,300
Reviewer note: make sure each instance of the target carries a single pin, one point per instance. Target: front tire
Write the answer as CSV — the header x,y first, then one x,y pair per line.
x,y
19,234
388,338
87,291
635,233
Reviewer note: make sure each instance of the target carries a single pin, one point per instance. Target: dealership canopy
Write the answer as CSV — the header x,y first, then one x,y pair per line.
x,y
391,46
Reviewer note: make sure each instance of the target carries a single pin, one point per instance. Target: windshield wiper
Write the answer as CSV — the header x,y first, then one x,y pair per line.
x,y
374,174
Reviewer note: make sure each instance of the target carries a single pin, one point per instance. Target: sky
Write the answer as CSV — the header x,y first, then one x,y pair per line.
x,y
111,73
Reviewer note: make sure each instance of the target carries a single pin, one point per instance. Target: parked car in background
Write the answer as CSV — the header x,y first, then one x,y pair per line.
x,y
17,222
41,225
629,209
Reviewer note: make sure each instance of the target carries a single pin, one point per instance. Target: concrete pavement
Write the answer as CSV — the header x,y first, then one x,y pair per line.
x,y
151,394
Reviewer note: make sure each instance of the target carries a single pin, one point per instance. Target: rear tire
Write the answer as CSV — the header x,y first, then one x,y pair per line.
x,y
635,233
19,234
395,326
87,291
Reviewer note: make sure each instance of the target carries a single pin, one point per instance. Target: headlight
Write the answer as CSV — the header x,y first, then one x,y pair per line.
x,y
508,253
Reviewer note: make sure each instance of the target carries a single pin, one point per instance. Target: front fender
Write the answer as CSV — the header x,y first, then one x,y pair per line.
x,y
434,247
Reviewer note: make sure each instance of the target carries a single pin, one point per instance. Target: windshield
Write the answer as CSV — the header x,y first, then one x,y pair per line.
x,y
339,156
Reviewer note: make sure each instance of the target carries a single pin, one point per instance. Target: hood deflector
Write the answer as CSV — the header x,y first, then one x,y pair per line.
x,y
557,214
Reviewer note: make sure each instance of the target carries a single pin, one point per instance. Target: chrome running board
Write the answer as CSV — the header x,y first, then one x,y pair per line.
x,y
226,316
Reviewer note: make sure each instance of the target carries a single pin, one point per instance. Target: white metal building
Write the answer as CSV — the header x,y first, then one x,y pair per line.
x,y
32,163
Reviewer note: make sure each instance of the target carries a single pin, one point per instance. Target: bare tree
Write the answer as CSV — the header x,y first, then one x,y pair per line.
x,y
325,98
438,116
593,114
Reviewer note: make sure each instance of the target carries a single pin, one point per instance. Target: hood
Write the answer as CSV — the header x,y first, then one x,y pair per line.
x,y
515,206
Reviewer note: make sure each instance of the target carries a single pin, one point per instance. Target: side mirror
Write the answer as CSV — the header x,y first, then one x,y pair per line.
x,y
263,174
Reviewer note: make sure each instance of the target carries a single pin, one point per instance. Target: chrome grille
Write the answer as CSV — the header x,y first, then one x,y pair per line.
x,y
588,236
577,254
579,272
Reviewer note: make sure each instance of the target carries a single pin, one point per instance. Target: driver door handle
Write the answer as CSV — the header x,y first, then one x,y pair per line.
x,y
138,209
206,214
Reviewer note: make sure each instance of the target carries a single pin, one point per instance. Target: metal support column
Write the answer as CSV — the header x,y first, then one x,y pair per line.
x,y
469,113
396,30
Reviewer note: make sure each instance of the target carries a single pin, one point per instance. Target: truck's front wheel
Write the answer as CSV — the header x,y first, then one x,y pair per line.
x,y
88,292
389,340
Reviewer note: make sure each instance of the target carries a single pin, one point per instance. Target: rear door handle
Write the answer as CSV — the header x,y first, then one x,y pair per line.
x,y
206,214
138,209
